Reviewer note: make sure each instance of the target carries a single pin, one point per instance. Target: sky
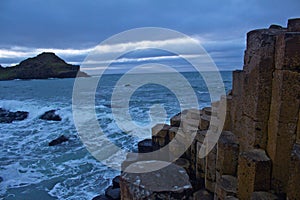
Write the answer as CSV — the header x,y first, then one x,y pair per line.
x,y
72,29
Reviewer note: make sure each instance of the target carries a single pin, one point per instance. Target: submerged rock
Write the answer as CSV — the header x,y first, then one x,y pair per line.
x,y
8,117
50,115
58,140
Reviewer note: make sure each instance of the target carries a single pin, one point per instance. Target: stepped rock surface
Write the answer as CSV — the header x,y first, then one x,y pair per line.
x,y
258,153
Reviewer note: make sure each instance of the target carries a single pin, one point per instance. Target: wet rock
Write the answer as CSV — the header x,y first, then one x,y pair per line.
x,y
8,117
58,140
170,182
50,115
101,197
116,182
113,193
145,146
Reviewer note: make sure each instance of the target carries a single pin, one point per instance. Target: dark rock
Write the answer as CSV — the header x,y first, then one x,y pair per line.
x,y
116,182
262,195
20,115
1,179
160,135
43,66
207,110
175,120
294,25
58,140
184,163
203,195
275,26
113,193
50,115
170,182
130,158
100,197
145,146
8,117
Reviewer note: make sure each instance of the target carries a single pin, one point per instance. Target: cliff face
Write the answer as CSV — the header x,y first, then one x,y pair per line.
x,y
258,153
45,65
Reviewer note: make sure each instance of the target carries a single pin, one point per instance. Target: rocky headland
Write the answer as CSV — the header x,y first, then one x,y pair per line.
x,y
43,66
258,153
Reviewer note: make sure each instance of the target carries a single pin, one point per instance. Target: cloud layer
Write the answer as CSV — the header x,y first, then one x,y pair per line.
x,y
141,55
72,29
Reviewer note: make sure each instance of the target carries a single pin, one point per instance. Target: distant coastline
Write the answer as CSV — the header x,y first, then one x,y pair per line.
x,y
44,66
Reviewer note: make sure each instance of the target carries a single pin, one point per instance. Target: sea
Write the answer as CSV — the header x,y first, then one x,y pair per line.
x,y
31,169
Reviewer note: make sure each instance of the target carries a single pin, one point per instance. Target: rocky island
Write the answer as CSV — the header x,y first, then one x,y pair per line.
x,y
258,153
43,66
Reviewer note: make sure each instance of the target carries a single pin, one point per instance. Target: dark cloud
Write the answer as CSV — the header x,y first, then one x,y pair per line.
x,y
83,24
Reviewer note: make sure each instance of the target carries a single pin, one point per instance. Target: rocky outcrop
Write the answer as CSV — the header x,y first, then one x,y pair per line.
x,y
59,140
8,116
258,153
113,193
51,116
170,182
145,146
43,66
116,182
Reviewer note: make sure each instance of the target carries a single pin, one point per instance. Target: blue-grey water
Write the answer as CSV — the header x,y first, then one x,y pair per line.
x,y
33,170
